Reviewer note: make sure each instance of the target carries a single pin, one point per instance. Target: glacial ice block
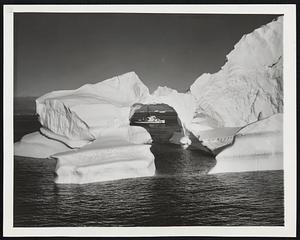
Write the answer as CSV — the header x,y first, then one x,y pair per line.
x,y
107,158
38,146
249,86
83,113
258,146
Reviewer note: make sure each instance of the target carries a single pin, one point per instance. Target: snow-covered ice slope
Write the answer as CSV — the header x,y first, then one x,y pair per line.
x,y
110,157
249,86
83,113
258,146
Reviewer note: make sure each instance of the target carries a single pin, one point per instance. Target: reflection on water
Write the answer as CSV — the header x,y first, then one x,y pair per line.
x,y
172,159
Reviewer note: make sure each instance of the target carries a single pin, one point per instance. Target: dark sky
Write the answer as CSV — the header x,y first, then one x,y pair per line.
x,y
65,51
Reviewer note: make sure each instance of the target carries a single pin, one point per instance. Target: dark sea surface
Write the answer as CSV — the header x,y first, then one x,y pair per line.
x,y
180,194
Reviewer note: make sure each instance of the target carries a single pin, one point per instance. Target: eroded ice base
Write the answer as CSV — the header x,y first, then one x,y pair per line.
x,y
257,147
249,163
97,163
116,154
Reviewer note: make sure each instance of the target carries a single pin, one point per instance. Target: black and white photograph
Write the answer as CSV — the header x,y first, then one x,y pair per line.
x,y
143,119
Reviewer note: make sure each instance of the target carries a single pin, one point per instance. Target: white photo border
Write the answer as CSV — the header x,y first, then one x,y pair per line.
x,y
289,39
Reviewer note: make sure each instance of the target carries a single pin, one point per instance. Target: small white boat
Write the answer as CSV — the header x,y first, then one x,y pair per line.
x,y
152,119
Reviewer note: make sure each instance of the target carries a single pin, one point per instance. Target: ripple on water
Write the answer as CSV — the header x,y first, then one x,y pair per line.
x,y
181,194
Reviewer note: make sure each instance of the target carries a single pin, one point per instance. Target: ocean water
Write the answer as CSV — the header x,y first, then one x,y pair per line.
x,y
180,194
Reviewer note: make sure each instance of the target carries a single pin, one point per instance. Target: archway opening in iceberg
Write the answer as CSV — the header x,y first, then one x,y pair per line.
x,y
170,158
160,120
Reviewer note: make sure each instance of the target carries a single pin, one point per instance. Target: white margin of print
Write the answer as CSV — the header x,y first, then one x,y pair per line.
x,y
289,39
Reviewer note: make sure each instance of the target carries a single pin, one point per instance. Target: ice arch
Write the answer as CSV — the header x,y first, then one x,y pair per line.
x,y
173,131
184,104
159,131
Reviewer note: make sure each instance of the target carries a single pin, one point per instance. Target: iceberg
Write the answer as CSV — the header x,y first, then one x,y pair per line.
x,y
235,113
249,86
87,130
83,113
257,147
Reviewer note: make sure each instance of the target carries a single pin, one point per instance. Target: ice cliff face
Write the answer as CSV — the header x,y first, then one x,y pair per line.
x,y
249,86
78,116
